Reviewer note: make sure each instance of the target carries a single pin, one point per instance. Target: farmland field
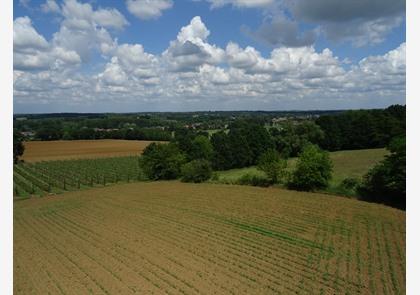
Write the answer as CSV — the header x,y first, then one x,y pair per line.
x,y
175,238
45,177
52,177
77,149
353,163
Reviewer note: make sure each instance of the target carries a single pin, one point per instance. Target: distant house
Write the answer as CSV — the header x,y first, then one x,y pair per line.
x,y
105,130
28,134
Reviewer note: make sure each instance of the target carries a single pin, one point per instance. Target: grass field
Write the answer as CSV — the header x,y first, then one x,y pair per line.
x,y
345,164
175,238
81,149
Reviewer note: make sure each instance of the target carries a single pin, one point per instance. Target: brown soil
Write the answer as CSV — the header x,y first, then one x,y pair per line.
x,y
77,149
175,238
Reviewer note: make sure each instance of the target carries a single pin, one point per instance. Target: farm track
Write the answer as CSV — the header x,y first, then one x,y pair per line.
x,y
174,238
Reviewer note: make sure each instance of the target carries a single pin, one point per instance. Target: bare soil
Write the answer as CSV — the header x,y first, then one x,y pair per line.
x,y
176,238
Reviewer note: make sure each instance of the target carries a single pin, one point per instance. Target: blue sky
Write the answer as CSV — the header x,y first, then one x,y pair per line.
x,y
169,55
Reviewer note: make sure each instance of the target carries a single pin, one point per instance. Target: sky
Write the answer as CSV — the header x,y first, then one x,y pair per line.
x,y
200,55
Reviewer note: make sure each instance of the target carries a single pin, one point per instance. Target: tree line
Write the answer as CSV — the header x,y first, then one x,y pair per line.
x,y
362,129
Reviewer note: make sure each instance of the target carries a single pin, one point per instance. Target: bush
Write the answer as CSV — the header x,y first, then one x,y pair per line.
x,y
196,171
18,147
347,187
386,182
313,170
201,148
350,183
272,165
254,180
161,161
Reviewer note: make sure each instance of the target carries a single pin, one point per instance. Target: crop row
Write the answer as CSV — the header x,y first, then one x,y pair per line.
x,y
51,177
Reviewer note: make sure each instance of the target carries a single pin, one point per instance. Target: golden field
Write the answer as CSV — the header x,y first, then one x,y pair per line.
x,y
36,151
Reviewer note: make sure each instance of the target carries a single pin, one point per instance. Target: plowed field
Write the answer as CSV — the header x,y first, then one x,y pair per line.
x,y
81,149
175,238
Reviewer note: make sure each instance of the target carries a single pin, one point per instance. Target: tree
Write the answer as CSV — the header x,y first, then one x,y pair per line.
x,y
291,139
258,140
272,165
161,161
184,138
240,151
196,171
358,129
313,169
386,182
201,148
18,147
222,154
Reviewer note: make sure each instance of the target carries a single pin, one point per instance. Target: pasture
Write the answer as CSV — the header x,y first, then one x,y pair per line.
x,y
346,164
176,238
36,151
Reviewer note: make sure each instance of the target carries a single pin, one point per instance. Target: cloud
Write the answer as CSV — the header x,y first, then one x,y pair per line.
x,y
25,36
195,31
358,22
343,11
32,52
50,6
191,72
148,9
361,33
241,3
24,3
110,18
280,31
190,50
85,30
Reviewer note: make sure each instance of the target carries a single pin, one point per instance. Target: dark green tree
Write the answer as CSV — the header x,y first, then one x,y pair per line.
x,y
196,171
291,139
258,140
161,161
386,182
313,169
222,154
239,148
18,147
201,148
272,165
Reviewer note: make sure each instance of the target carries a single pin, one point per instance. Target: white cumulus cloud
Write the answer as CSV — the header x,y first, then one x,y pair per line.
x,y
148,9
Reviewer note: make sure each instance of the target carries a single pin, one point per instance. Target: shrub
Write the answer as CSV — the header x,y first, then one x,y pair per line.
x,y
254,180
196,171
386,182
350,183
161,161
215,176
347,187
313,169
272,165
18,147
